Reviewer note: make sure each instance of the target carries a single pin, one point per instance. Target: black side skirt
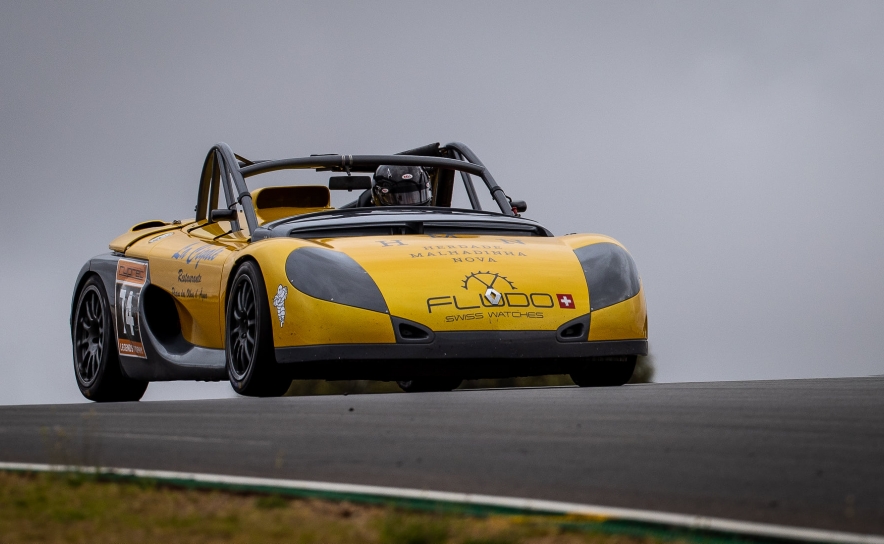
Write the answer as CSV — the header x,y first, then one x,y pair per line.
x,y
469,355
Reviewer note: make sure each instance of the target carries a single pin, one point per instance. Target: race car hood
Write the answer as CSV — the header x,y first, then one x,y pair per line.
x,y
513,275
465,282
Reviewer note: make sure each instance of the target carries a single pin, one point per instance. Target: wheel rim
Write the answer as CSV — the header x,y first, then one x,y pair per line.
x,y
90,337
243,327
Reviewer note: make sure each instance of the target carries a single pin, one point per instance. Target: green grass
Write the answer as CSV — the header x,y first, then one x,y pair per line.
x,y
81,508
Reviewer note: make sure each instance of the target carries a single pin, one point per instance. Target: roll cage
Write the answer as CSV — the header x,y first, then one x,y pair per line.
x,y
223,164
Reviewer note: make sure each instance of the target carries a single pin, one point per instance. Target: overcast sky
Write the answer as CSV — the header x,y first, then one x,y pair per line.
x,y
736,148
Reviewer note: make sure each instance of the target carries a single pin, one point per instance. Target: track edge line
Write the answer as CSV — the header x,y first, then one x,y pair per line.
x,y
514,504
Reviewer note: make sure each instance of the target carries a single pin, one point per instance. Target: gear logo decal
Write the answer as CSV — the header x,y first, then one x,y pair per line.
x,y
488,279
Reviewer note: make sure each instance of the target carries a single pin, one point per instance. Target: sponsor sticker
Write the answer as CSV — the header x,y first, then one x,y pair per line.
x,y
279,301
184,277
160,237
566,301
131,276
466,253
495,296
197,252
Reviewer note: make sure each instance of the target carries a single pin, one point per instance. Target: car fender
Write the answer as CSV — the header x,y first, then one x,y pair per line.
x,y
298,318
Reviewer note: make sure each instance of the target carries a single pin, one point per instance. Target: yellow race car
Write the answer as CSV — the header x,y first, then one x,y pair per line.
x,y
272,284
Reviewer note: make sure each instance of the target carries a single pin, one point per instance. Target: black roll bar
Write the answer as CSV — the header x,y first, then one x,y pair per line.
x,y
496,191
358,163
468,186
223,156
236,172
243,196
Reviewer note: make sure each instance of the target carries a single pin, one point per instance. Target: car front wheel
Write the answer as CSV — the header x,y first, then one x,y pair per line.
x,y
251,363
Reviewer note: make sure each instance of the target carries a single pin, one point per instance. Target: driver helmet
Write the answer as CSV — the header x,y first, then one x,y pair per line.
x,y
400,186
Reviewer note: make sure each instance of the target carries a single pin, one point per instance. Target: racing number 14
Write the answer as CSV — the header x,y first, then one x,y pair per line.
x,y
131,277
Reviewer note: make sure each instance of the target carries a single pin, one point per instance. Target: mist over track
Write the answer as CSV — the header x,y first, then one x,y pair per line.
x,y
807,453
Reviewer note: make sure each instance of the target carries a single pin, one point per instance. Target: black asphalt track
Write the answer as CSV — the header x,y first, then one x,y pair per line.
x,y
806,453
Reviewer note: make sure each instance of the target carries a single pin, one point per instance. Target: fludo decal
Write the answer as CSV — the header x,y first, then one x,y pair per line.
x,y
131,276
495,295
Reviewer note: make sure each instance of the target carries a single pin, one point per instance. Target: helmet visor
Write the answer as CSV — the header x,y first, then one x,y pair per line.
x,y
412,196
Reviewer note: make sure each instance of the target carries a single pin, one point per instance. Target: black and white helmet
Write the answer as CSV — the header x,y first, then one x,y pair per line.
x,y
400,186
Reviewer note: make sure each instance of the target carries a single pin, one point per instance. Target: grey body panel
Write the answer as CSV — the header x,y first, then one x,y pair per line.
x,y
610,272
169,359
333,276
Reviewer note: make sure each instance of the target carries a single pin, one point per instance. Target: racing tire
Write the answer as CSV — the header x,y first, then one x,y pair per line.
x,y
616,371
425,385
96,360
251,362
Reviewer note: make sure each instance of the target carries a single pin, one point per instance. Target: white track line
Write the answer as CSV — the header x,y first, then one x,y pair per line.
x,y
539,506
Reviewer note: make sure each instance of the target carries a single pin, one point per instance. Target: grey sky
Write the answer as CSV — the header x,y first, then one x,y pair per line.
x,y
734,147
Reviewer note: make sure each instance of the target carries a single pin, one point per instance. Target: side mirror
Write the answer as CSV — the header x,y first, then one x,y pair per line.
x,y
223,215
519,206
349,183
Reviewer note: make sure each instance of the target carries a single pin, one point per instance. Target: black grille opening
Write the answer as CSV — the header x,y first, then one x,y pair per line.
x,y
574,331
410,332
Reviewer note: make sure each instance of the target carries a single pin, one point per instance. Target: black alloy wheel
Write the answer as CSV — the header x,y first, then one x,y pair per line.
x,y
243,325
90,342
608,372
425,385
96,361
251,363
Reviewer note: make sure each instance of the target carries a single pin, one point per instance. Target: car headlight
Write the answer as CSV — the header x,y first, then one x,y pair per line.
x,y
335,277
611,274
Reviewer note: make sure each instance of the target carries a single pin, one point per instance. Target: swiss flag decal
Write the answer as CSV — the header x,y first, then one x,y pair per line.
x,y
565,301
